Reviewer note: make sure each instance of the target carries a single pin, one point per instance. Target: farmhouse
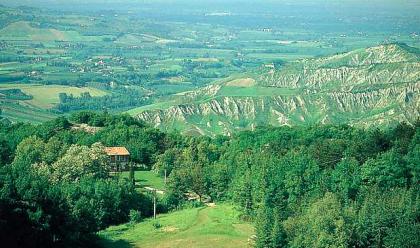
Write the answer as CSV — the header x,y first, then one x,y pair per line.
x,y
119,157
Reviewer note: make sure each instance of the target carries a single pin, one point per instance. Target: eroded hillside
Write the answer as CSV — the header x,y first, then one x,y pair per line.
x,y
372,86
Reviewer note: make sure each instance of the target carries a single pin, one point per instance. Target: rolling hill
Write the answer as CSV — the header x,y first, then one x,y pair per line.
x,y
24,31
373,86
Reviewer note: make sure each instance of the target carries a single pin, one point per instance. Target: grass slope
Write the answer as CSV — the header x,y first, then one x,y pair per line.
x,y
198,227
255,91
19,113
154,106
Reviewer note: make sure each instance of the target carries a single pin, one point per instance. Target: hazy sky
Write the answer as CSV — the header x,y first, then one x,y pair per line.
x,y
35,2
380,15
370,8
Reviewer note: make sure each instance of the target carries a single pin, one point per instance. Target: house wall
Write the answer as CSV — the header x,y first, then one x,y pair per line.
x,y
119,162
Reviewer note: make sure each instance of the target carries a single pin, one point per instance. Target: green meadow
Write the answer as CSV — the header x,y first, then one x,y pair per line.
x,y
146,179
203,227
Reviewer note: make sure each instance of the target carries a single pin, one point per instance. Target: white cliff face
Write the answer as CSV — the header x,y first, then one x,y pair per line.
x,y
205,92
282,110
378,65
327,78
384,54
375,86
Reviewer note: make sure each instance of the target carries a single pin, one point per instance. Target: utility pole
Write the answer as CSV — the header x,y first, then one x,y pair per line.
x,y
154,203
153,192
165,176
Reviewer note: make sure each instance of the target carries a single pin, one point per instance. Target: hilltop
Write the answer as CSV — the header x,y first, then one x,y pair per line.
x,y
373,86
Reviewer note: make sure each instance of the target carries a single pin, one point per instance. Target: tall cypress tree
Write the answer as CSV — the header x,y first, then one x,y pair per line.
x,y
264,226
278,235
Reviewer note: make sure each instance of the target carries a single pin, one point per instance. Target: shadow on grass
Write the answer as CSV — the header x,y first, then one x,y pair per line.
x,y
141,183
106,243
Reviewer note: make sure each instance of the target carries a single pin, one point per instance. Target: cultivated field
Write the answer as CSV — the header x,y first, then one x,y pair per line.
x,y
19,113
46,96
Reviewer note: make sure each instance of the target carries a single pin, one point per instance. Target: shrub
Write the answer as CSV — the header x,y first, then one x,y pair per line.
x,y
156,224
135,216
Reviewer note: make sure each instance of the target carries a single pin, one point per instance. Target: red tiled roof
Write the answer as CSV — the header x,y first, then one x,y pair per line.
x,y
119,150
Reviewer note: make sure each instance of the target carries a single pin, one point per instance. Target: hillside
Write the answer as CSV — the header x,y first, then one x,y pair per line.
x,y
373,86
198,227
21,31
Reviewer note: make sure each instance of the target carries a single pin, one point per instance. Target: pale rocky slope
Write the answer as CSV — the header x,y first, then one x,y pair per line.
x,y
372,86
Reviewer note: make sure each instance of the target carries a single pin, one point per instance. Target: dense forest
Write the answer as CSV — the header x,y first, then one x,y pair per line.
x,y
319,186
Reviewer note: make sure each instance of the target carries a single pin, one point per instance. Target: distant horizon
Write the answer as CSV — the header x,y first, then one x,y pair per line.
x,y
278,7
374,7
400,3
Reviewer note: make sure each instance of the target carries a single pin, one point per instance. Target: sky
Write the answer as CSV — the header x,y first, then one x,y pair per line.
x,y
381,2
381,15
398,4
365,8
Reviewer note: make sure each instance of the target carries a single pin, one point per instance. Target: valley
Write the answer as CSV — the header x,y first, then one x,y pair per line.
x,y
145,59
210,123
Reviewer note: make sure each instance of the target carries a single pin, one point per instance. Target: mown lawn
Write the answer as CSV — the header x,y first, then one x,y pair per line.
x,y
203,227
147,179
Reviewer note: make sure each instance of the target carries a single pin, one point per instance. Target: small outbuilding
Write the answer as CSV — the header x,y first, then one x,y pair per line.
x,y
119,157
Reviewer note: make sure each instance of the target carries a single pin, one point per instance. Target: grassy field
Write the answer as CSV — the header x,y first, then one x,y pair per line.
x,y
46,96
147,179
203,227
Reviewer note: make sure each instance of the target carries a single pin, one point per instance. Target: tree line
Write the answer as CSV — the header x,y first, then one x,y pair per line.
x,y
317,186
56,189
320,186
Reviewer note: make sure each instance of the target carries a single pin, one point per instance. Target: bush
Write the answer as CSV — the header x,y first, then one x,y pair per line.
x,y
156,224
135,216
